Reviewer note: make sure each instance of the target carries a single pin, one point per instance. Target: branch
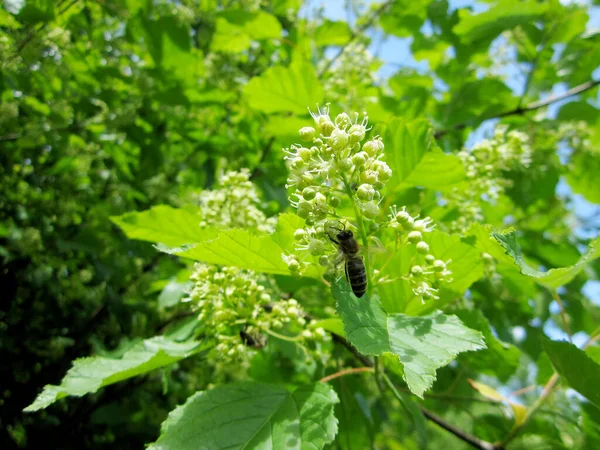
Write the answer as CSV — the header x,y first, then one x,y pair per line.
x,y
520,110
355,34
469,439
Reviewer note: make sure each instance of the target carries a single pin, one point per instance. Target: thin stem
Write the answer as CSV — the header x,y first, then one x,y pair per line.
x,y
548,388
563,314
343,373
283,337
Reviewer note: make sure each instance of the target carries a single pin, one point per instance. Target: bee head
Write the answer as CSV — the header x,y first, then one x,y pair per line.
x,y
344,235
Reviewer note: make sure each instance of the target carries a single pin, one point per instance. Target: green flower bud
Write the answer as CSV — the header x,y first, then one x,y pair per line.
x,y
299,234
304,153
316,247
357,133
373,227
373,147
405,219
439,265
344,164
422,247
342,121
293,265
384,171
378,185
324,125
414,237
304,209
429,258
339,139
368,177
324,261
307,134
359,159
308,193
334,201
370,210
416,271
365,192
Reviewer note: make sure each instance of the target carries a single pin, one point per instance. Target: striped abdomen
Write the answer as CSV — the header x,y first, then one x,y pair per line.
x,y
356,275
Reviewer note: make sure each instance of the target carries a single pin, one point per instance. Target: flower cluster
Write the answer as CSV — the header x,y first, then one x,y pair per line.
x,y
426,271
333,164
235,204
238,312
484,165
351,75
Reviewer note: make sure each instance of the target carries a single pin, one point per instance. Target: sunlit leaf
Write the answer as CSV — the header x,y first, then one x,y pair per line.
x,y
252,415
423,344
90,374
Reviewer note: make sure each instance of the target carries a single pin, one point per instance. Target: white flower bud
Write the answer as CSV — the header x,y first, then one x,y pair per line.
x,y
299,234
384,171
324,124
307,134
429,258
304,153
439,265
345,164
405,219
416,271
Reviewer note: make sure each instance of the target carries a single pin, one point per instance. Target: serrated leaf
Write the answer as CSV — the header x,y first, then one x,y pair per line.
x,y
164,224
552,278
415,159
290,89
577,368
252,415
90,374
484,27
423,344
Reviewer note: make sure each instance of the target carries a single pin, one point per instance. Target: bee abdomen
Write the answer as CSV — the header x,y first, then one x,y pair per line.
x,y
357,276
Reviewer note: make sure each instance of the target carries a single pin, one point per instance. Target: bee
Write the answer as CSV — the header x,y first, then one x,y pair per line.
x,y
256,340
354,266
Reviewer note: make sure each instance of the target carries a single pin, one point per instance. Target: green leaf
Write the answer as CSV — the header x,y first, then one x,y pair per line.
x,y
36,11
278,89
164,224
499,359
582,175
416,160
90,374
423,344
404,18
332,33
252,415
571,363
483,28
552,278
236,29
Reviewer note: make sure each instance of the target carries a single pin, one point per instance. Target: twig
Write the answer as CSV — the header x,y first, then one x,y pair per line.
x,y
342,373
263,158
469,439
523,109
563,314
355,34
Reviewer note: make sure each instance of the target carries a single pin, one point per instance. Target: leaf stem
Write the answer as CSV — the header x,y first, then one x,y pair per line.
x,y
283,337
343,373
563,314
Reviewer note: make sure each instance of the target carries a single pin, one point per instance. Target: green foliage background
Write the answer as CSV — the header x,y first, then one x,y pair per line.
x,y
114,106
